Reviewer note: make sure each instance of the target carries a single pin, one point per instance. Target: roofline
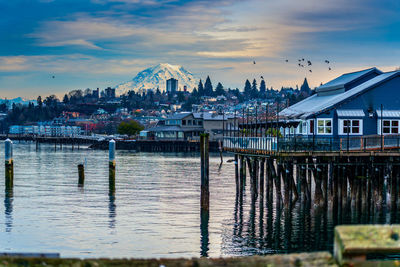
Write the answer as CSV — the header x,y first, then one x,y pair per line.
x,y
330,88
357,94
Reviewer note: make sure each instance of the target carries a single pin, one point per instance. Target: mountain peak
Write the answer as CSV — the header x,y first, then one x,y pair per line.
x,y
156,77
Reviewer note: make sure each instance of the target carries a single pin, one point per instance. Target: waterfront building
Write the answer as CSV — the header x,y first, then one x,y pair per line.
x,y
46,130
361,103
189,126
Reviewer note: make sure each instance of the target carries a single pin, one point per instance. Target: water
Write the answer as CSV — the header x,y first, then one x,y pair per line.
x,y
155,211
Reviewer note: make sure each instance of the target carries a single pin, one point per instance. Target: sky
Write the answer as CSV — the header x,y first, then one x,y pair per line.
x,y
101,43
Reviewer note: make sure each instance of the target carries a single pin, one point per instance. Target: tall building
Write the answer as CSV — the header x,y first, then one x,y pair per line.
x,y
110,93
172,85
96,93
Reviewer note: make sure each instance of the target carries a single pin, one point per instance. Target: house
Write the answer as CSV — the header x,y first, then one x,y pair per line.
x,y
179,126
189,126
355,104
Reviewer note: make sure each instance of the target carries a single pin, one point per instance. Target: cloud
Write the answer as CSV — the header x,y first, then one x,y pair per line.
x,y
83,31
222,38
13,63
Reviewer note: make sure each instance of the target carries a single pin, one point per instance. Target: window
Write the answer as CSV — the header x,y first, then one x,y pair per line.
x,y
189,122
324,126
183,122
351,127
389,126
302,128
200,123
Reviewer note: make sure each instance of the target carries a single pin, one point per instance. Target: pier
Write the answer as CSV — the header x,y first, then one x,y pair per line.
x,y
361,170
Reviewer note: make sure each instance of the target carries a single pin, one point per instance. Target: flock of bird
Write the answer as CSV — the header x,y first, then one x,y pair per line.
x,y
303,63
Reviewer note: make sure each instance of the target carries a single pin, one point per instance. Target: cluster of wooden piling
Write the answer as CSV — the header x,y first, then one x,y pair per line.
x,y
9,167
360,181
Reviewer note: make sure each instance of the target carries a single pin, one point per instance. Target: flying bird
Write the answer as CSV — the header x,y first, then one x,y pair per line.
x,y
262,77
309,62
287,60
330,68
327,61
254,62
302,59
53,76
310,70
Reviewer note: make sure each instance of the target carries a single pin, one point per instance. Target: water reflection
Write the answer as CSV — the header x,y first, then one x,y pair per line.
x,y
8,206
300,228
205,242
112,211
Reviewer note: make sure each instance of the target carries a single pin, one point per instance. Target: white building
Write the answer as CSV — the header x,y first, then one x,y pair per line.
x,y
62,131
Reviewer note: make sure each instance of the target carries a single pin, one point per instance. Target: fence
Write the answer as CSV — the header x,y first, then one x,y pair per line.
x,y
306,144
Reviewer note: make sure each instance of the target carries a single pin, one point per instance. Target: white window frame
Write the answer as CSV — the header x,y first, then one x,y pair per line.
x,y
302,128
341,127
324,119
391,126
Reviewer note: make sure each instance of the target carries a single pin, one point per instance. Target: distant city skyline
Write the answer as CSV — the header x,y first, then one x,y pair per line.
x,y
54,46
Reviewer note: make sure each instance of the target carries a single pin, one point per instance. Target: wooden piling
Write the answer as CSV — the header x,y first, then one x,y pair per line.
x,y
237,173
111,166
261,191
204,159
9,164
241,172
81,174
220,151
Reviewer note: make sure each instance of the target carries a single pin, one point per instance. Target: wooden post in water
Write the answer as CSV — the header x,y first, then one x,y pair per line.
x,y
81,173
241,172
204,159
9,164
220,151
237,172
111,166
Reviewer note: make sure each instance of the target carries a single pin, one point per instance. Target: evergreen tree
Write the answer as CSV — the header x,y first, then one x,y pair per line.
x,y
305,89
262,87
181,97
39,101
65,99
208,89
194,93
219,90
254,91
200,88
247,87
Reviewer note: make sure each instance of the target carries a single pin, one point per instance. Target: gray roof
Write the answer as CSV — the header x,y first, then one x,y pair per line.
x,y
179,116
172,128
317,104
388,113
350,113
208,116
344,79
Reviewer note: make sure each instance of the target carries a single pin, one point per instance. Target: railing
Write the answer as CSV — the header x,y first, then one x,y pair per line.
x,y
370,143
251,143
308,144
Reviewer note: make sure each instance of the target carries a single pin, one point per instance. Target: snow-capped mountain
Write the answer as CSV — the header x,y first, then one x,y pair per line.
x,y
17,100
156,77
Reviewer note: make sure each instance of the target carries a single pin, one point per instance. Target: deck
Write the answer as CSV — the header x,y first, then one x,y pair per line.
x,y
322,146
